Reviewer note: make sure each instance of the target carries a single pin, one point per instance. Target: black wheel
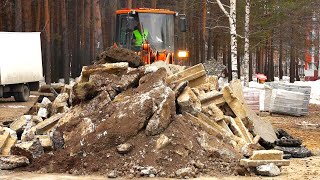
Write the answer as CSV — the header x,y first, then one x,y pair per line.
x,y
22,96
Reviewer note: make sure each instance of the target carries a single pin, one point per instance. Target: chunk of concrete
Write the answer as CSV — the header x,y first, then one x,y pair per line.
x,y
43,112
11,162
224,125
4,136
235,101
36,119
162,142
267,155
205,126
189,102
270,170
48,123
30,149
244,131
212,97
124,148
45,142
19,124
255,163
112,68
189,74
213,128
184,172
210,84
46,102
9,144
200,80
60,104
213,112
162,117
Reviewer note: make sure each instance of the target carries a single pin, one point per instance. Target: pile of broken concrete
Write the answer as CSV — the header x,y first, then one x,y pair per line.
x,y
126,119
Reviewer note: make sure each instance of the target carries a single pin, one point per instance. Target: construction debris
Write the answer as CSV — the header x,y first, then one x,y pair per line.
x,y
125,119
290,145
117,54
270,170
11,162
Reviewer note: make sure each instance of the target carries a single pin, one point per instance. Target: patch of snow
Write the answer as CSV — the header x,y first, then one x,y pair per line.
x,y
90,127
150,69
13,106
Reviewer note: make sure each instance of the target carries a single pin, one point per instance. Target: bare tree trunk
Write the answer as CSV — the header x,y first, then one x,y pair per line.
x,y
26,14
153,3
250,67
98,31
129,4
238,65
261,70
224,57
229,64
292,62
266,56
233,33
246,44
48,40
209,51
65,45
297,71
271,61
18,15
87,35
257,59
280,61
215,48
38,16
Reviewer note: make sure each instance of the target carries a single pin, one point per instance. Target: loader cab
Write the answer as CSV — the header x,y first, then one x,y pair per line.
x,y
150,33
156,24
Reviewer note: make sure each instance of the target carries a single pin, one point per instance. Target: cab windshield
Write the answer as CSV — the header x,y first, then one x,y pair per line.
x,y
160,29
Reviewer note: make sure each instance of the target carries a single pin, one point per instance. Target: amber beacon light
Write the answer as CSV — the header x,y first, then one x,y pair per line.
x,y
183,54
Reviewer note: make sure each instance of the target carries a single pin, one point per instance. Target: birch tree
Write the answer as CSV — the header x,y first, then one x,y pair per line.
x,y
232,15
246,44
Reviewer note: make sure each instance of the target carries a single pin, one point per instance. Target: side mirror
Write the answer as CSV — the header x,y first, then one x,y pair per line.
x,y
130,23
183,23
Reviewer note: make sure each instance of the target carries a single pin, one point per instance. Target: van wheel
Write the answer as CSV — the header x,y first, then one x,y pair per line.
x,y
22,96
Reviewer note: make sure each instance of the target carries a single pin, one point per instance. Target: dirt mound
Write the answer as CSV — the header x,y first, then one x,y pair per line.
x,y
130,127
117,54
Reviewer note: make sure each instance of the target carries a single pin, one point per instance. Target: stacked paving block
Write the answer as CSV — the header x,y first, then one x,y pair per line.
x,y
290,98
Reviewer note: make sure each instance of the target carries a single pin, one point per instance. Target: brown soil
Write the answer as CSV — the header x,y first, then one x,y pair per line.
x,y
175,156
9,109
309,136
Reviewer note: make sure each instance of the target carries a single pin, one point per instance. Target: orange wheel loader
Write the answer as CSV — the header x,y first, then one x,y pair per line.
x,y
150,33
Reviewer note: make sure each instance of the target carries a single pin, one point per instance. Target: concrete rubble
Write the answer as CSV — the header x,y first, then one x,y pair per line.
x,y
270,170
122,118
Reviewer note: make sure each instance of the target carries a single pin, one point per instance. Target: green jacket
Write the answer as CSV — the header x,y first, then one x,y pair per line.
x,y
139,38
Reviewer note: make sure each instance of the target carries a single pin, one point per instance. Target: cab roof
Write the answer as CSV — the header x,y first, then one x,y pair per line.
x,y
145,10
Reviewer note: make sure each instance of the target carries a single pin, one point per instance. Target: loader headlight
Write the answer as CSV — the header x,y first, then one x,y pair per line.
x,y
183,54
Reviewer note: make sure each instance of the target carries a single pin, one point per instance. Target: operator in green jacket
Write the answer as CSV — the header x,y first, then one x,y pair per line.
x,y
139,37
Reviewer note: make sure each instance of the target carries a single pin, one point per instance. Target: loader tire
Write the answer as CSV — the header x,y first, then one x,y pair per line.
x,y
22,96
